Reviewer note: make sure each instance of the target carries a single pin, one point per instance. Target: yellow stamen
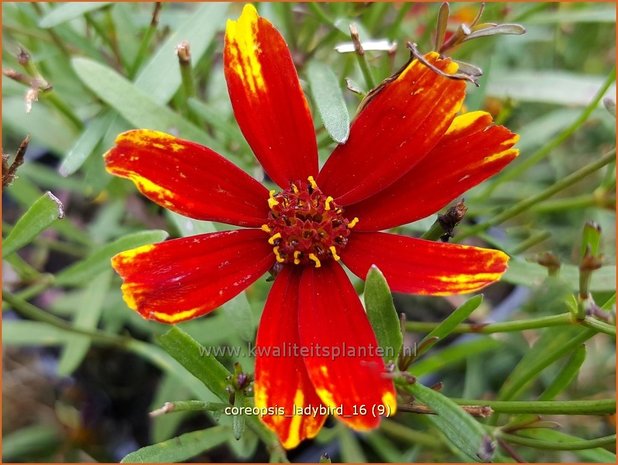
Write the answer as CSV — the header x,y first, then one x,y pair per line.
x,y
265,228
314,258
273,238
294,188
279,258
296,259
272,201
353,223
333,252
329,200
312,182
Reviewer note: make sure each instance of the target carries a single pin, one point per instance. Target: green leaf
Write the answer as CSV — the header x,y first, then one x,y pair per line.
x,y
199,30
327,94
135,105
567,374
42,123
180,448
533,274
238,313
461,430
351,450
558,87
45,211
197,360
553,344
87,317
30,441
85,144
99,260
188,226
238,421
68,11
450,323
382,314
31,333
453,354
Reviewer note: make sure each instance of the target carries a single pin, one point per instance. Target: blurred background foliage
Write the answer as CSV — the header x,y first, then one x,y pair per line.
x,y
81,371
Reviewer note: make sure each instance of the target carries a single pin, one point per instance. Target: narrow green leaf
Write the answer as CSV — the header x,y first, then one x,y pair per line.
x,y
453,354
199,30
553,344
25,193
86,317
449,323
529,438
42,123
238,313
382,314
351,450
197,360
238,421
180,448
27,442
135,105
328,97
98,261
85,144
458,426
165,426
31,333
567,374
45,211
558,87
68,11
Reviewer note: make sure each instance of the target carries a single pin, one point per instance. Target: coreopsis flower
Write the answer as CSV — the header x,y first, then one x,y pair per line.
x,y
408,155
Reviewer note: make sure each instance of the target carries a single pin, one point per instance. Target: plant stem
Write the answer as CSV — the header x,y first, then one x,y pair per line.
x,y
557,140
30,311
599,326
558,445
502,327
188,406
547,407
143,46
530,242
525,204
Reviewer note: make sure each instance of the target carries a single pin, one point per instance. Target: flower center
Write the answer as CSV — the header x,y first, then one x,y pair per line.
x,y
306,227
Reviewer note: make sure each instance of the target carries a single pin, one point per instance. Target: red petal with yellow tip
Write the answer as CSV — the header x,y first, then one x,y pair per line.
x,y
268,102
281,379
394,131
471,151
417,266
188,178
343,359
184,278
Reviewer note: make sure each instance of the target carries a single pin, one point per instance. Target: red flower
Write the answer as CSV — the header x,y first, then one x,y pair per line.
x,y
407,156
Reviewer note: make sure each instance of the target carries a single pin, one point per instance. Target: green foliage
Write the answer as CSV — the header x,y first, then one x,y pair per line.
x,y
112,67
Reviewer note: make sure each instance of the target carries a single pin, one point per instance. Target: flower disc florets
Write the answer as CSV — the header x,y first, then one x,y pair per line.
x,y
306,226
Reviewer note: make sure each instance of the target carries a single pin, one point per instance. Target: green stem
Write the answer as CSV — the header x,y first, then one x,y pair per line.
x,y
435,232
52,97
502,327
188,406
30,311
568,204
143,46
599,326
530,242
548,407
540,154
365,70
526,204
557,445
